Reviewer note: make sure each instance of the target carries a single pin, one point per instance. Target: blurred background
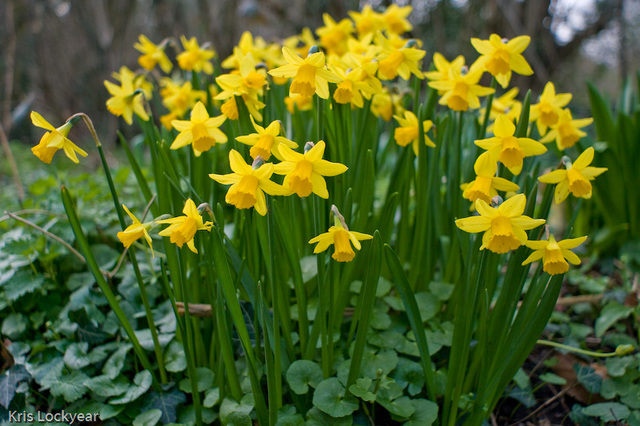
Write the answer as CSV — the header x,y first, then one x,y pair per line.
x,y
55,54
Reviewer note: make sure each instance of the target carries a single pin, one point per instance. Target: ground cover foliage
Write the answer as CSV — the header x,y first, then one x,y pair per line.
x,y
354,289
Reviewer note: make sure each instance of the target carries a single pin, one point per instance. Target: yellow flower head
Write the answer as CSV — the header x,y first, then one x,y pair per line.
x,y
135,231
548,109
265,141
567,131
554,254
486,184
304,172
179,97
201,131
575,179
384,103
182,229
334,36
408,131
54,140
341,238
249,183
368,21
309,74
508,149
402,61
247,45
194,58
127,98
248,83
298,102
506,105
499,57
152,54
395,19
504,227
352,88
460,90
443,68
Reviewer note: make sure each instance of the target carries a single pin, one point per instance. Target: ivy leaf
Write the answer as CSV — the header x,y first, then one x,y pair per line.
x,y
301,374
428,304
232,412
611,313
9,382
211,397
588,377
166,402
115,363
146,340
553,379
174,358
70,386
424,414
148,418
14,325
75,357
23,282
205,379
142,383
607,411
401,407
316,417
105,387
330,397
361,389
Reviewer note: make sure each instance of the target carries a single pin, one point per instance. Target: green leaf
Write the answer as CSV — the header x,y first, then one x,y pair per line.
x,y
70,386
317,417
330,397
115,363
205,380
148,418
374,361
22,282
14,325
142,383
106,387
553,379
441,290
361,389
301,374
211,397
617,366
76,357
146,340
9,382
232,412
587,376
401,407
166,402
174,357
424,414
409,373
428,304
188,417
608,411
611,313
109,411
632,399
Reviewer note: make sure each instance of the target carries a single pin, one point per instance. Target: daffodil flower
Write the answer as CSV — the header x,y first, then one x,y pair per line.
x,y
367,21
266,141
135,231
442,68
249,183
504,227
486,184
508,149
202,131
54,140
341,238
152,54
567,131
549,107
309,74
182,229
460,90
575,179
395,19
194,58
403,61
126,99
304,172
554,254
334,36
408,131
499,57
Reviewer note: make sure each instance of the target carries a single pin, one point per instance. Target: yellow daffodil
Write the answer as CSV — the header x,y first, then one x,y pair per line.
x,y
367,21
461,89
179,97
247,45
499,57
567,131
265,141
486,184
508,149
384,103
341,238
334,36
247,83
352,88
504,227
135,231
443,67
408,131
575,179
554,254
182,229
152,54
194,58
298,102
402,61
54,140
126,99
249,183
363,68
201,131
395,19
309,74
506,105
304,172
301,43
548,109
